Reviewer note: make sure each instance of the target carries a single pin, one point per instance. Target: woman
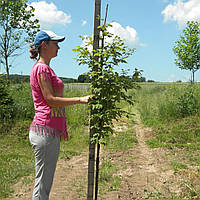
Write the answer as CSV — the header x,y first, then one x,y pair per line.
x,y
49,123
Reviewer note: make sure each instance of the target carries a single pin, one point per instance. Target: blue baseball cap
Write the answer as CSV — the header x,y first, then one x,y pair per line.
x,y
46,36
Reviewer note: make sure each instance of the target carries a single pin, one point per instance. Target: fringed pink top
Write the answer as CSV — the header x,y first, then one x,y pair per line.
x,y
47,120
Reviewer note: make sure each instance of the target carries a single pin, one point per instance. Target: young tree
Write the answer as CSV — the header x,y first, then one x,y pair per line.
x,y
109,88
187,48
16,28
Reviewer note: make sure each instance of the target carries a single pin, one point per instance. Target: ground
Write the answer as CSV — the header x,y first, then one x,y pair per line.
x,y
145,174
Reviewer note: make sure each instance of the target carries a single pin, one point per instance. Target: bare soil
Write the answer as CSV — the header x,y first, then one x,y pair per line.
x,y
145,174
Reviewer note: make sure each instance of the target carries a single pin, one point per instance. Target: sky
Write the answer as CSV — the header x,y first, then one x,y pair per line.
x,y
150,26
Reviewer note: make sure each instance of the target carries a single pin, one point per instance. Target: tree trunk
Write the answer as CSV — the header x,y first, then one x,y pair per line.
x,y
7,68
193,76
91,162
5,54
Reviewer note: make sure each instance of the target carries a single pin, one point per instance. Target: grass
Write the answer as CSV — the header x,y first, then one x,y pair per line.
x,y
108,180
173,111
121,141
16,161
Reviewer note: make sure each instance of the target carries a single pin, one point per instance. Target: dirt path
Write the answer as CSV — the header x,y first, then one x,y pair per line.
x,y
145,174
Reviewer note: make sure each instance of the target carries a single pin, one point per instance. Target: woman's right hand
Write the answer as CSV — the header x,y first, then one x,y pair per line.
x,y
85,99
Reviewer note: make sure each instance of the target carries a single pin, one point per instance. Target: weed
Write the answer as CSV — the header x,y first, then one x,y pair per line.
x,y
107,180
176,166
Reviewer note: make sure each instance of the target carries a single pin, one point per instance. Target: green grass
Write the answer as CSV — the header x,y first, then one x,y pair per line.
x,y
173,111
16,160
177,165
108,180
121,141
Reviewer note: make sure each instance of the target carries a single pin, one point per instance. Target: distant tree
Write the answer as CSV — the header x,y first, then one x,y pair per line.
x,y
83,78
150,81
141,79
137,76
16,28
187,48
68,80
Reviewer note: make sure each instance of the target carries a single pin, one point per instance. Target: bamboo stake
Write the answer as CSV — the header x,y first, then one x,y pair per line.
x,y
91,162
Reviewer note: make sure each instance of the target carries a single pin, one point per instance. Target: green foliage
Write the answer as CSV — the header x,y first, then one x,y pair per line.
x,y
16,104
187,103
24,108
83,78
167,103
137,76
13,12
16,27
6,102
173,110
107,86
68,80
187,48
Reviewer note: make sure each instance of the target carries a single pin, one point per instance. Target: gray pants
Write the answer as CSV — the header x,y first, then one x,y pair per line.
x,y
46,149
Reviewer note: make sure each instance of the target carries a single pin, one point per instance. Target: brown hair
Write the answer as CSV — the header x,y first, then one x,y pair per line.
x,y
35,50
34,53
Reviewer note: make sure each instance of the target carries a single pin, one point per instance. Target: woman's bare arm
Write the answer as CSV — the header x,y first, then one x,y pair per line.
x,y
55,101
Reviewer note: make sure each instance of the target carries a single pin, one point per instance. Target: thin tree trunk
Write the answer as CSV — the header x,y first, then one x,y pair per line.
x,y
91,162
6,53
193,76
98,145
7,68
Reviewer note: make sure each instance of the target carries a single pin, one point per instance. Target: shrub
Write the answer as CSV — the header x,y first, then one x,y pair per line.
x,y
187,103
6,102
23,101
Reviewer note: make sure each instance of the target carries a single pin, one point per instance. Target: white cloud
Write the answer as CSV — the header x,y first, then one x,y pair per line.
x,y
84,22
85,42
128,34
182,11
48,14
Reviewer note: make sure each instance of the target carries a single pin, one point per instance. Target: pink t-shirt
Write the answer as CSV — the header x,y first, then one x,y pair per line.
x,y
53,120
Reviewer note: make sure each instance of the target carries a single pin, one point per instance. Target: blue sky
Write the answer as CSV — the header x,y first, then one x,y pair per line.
x,y
150,26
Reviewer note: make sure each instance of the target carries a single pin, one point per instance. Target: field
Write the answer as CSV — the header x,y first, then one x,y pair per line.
x,y
154,154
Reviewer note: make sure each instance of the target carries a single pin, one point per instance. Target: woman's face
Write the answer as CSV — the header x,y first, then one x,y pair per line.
x,y
52,48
